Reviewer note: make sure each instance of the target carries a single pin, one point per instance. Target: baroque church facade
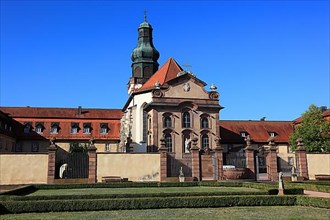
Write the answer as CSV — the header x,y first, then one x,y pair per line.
x,y
169,112
166,102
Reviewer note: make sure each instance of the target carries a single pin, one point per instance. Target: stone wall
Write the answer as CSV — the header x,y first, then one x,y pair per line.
x,y
135,167
23,168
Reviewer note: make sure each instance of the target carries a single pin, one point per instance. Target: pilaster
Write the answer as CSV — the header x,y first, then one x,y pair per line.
x,y
51,161
163,160
195,160
250,158
271,161
218,153
92,162
301,156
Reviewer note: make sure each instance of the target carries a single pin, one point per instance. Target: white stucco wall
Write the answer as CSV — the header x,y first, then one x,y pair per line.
x,y
135,167
136,107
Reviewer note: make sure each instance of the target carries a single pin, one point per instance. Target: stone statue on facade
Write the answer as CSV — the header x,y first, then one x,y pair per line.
x,y
187,145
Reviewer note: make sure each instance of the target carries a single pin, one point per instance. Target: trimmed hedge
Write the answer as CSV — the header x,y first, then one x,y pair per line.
x,y
24,190
313,201
109,196
310,186
116,185
143,203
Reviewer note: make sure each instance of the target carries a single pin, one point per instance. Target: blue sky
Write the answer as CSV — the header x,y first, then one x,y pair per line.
x,y
267,58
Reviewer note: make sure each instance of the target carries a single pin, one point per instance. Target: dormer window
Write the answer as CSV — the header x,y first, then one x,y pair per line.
x,y
243,134
54,127
39,127
74,127
272,134
104,128
27,127
87,128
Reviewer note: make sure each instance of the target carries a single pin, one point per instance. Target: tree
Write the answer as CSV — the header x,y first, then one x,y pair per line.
x,y
314,130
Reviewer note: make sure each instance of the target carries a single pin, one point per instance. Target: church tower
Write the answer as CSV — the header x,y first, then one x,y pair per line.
x,y
144,57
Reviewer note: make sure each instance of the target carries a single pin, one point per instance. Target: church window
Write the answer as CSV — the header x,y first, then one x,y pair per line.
x,y
87,128
168,141
205,141
205,122
186,120
167,122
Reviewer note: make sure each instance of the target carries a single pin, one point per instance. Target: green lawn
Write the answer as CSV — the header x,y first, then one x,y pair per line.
x,y
265,212
140,190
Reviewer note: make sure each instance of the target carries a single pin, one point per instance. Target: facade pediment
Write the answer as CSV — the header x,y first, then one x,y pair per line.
x,y
186,87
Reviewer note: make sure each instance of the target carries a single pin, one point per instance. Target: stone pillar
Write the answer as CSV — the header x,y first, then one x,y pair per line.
x,y
250,159
301,156
195,160
92,161
271,160
51,161
218,153
163,160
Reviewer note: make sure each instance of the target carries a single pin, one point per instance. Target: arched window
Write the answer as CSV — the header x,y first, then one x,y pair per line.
x,y
205,141
168,141
167,122
205,122
186,120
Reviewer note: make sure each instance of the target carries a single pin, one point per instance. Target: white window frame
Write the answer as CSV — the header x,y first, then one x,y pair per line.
x,y
39,129
74,130
103,130
86,130
107,147
54,129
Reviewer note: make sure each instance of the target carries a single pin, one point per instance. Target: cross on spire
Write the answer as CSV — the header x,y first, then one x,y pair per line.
x,y
145,15
187,66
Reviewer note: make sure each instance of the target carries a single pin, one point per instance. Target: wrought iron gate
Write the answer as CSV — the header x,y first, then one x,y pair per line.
x,y
72,165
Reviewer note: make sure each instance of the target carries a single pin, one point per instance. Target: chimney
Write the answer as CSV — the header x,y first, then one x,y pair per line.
x,y
79,110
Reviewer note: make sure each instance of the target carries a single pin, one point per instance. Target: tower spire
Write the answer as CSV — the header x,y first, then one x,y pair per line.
x,y
144,56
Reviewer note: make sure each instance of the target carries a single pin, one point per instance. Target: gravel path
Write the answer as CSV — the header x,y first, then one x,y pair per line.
x,y
317,194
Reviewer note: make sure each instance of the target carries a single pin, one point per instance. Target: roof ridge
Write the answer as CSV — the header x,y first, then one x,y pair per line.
x,y
30,107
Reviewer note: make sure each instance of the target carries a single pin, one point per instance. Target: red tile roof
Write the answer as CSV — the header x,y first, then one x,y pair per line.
x,y
86,113
326,116
166,73
258,130
65,116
